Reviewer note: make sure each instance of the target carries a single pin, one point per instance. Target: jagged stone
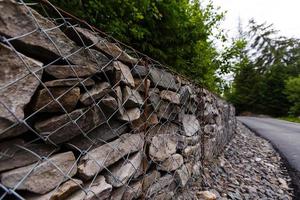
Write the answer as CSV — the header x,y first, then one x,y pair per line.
x,y
117,193
162,147
133,191
99,135
91,38
185,92
165,128
142,123
61,128
45,176
17,82
163,182
140,71
107,154
110,103
170,96
131,115
164,195
123,74
79,82
206,195
98,189
163,79
67,97
12,154
97,92
190,125
172,163
124,170
67,71
132,98
38,44
142,85
154,98
182,175
119,97
168,111
192,150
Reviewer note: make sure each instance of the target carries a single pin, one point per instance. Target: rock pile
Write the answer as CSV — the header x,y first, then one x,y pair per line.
x,y
80,118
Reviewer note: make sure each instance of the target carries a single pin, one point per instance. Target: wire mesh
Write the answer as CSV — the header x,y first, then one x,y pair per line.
x,y
84,116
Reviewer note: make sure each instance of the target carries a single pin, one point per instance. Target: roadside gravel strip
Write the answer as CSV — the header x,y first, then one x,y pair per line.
x,y
249,169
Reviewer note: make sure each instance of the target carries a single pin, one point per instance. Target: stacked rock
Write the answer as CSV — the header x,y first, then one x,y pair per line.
x,y
80,118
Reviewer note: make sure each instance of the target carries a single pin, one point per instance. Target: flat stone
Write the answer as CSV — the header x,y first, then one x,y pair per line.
x,y
91,38
133,191
119,97
123,74
164,195
98,189
68,99
38,44
59,129
163,182
162,147
185,92
172,163
79,82
97,92
206,195
132,98
12,152
107,154
163,79
194,150
168,111
142,123
67,71
110,103
117,193
142,85
154,98
140,71
131,115
45,176
182,175
19,83
124,170
190,125
99,135
165,128
170,96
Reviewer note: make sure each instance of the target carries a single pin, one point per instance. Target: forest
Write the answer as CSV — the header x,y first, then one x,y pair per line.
x,y
185,35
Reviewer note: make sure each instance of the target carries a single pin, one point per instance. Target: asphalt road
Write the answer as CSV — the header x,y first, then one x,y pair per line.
x,y
284,136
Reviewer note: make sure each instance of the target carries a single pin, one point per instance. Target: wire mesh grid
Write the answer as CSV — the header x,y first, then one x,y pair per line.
x,y
84,116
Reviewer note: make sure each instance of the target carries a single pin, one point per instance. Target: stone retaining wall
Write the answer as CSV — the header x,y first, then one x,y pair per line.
x,y
83,117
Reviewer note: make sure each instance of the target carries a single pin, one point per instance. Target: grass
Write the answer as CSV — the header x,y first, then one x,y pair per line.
x,y
291,119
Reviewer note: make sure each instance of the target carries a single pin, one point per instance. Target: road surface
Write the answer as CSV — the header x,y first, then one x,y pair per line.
x,y
285,137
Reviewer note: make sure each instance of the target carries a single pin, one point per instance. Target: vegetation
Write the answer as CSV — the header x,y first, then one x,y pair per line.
x,y
265,68
291,119
177,33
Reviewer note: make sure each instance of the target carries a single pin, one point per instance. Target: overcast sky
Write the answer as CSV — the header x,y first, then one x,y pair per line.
x,y
284,14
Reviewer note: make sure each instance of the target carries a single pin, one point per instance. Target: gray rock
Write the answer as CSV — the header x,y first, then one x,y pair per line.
x,y
132,98
165,128
182,175
142,85
154,98
172,163
124,170
12,152
190,125
168,111
133,191
38,45
185,93
67,97
119,97
97,92
97,189
110,103
162,147
45,176
123,74
79,82
99,135
67,71
59,129
163,79
117,193
140,71
163,182
13,69
107,154
91,38
131,115
170,96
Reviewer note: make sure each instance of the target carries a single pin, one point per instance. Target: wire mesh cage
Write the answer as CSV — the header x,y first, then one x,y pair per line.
x,y
84,116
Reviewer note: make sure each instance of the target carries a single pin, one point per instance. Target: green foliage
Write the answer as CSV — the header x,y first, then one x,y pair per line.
x,y
291,119
261,69
292,90
177,33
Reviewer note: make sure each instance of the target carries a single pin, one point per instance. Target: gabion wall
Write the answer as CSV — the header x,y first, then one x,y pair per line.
x,y
85,117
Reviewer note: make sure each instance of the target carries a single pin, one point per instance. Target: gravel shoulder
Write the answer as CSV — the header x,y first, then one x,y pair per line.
x,y
250,168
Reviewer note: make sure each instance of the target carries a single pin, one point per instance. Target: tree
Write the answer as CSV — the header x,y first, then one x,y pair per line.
x,y
292,90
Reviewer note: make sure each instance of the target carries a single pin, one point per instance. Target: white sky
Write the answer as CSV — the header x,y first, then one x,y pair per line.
x,y
284,14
